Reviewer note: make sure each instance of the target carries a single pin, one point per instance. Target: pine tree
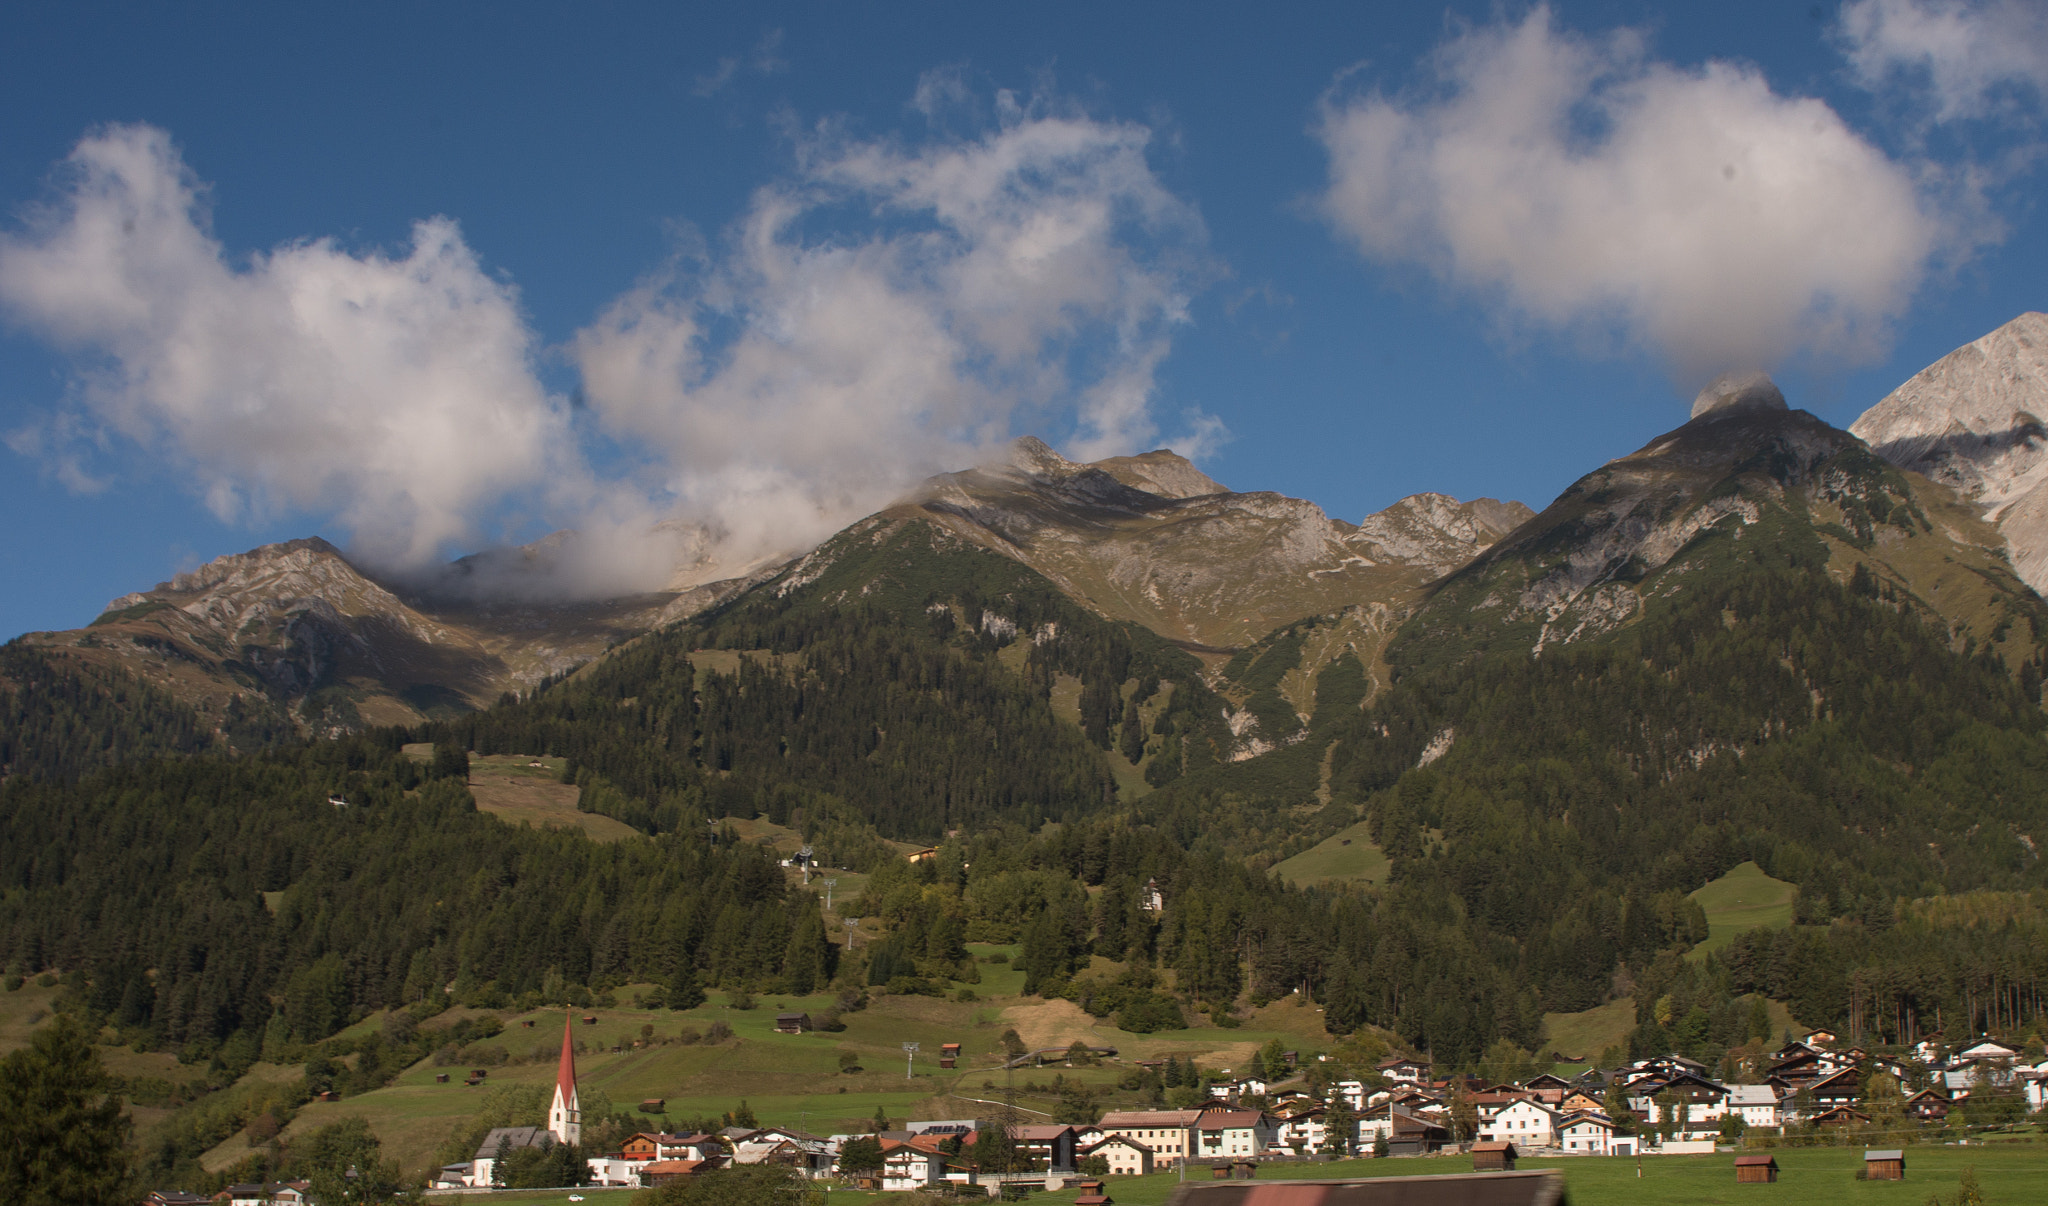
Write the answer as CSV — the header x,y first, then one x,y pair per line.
x,y
63,1135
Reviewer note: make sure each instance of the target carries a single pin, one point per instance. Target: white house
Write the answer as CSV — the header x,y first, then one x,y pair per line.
x,y
1404,1071
1353,1092
906,1168
1242,1133
1756,1104
1590,1134
1303,1128
1127,1157
1525,1124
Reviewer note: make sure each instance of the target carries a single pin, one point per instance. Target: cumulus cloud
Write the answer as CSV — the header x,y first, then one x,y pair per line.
x,y
391,392
891,309
888,310
1579,184
1970,60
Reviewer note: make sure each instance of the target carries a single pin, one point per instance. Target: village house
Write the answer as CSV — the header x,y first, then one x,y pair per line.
x,y
1413,1135
1404,1071
1126,1157
1756,1105
1057,1145
1524,1123
1301,1126
1235,1133
906,1166
1167,1134
1589,1134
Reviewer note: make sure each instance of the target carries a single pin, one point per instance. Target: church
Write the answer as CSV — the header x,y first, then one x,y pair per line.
x,y
565,1125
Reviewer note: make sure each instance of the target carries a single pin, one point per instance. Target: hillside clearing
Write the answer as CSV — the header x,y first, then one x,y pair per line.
x,y
1347,856
1742,900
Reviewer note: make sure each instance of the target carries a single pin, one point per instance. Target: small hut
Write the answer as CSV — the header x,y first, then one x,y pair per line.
x,y
654,1105
1756,1170
1889,1165
949,1055
1493,1156
440,1078
792,1023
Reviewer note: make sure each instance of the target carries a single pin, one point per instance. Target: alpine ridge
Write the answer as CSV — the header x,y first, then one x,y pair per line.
x,y
1971,421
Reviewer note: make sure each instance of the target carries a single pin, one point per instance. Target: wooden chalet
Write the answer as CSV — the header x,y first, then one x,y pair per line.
x,y
1756,1170
949,1055
1928,1105
1889,1165
1496,1156
792,1023
1839,1089
1841,1116
1411,1135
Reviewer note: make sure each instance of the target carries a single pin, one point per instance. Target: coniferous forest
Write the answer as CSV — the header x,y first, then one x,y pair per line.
x,y
213,903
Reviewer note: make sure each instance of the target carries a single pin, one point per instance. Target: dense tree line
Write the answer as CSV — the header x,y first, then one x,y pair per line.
x,y
191,892
61,717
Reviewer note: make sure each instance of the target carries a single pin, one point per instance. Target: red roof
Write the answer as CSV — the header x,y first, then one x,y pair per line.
x,y
565,1072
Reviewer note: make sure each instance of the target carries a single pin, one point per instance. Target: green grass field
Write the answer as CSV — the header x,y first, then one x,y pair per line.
x,y
1744,899
1345,857
795,1080
1808,1176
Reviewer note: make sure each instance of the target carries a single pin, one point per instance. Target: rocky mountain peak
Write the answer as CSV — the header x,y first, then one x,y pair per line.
x,y
1163,472
1971,422
1749,390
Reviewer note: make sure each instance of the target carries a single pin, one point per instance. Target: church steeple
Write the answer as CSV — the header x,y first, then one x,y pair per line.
x,y
565,1118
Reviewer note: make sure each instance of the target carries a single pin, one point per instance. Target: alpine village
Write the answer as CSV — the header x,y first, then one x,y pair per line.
x,y
1085,833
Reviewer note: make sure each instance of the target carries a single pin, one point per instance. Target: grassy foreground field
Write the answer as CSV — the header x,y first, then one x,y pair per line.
x,y
2010,1173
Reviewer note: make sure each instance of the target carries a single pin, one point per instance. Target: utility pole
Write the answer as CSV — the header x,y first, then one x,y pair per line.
x,y
852,927
909,1058
828,892
805,855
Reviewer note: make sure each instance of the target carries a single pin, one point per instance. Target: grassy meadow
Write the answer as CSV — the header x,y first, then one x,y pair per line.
x,y
1744,899
1347,856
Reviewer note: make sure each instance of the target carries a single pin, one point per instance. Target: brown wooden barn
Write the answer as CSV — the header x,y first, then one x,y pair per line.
x,y
1495,1156
1889,1165
1756,1170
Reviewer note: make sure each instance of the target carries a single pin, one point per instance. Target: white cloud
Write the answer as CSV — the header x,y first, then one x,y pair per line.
x,y
797,379
1971,59
888,311
391,392
1578,184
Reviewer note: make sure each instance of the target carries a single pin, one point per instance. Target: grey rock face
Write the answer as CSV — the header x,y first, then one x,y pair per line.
x,y
1970,421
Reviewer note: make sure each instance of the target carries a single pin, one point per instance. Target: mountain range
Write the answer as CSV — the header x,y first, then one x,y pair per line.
x,y
1940,491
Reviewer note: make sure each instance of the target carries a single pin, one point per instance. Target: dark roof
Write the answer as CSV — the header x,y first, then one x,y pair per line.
x,y
1527,1188
514,1138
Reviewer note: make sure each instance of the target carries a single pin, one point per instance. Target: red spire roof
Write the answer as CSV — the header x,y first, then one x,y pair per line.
x,y
565,1074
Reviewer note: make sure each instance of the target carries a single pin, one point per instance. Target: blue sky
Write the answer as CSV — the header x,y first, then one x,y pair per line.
x,y
753,269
